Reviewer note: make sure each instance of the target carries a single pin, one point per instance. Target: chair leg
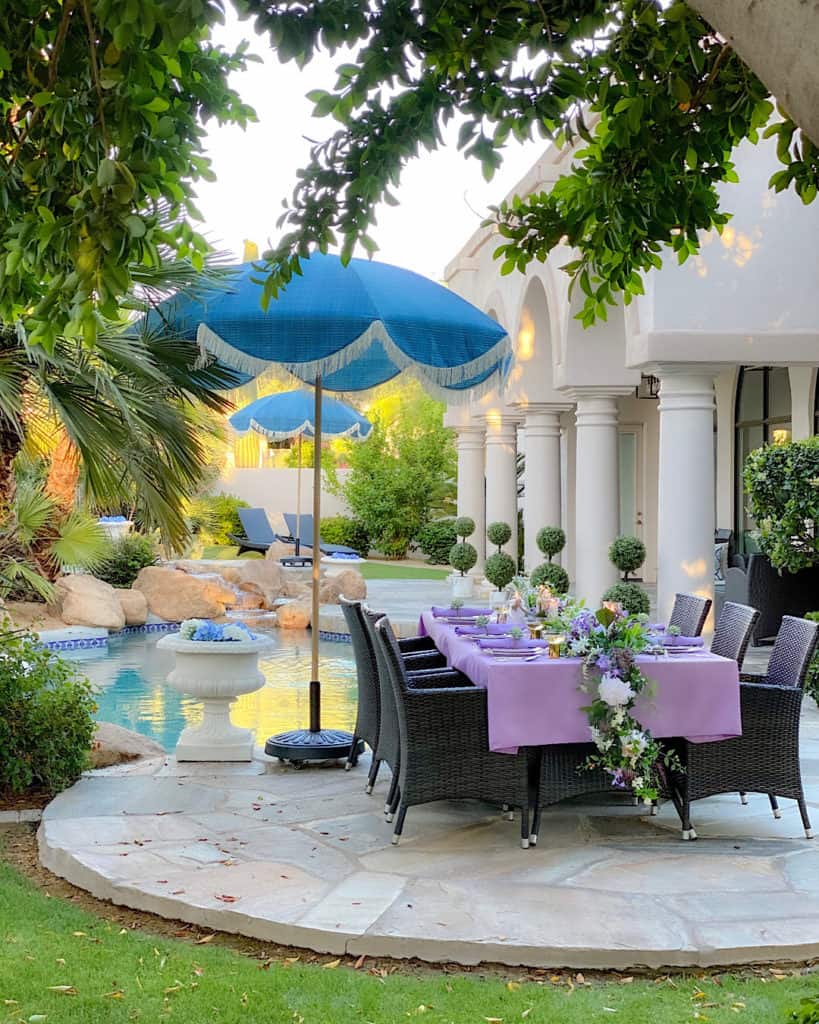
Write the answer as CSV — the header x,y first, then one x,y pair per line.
x,y
803,810
391,794
396,800
743,799
373,775
535,829
399,824
352,756
774,806
688,832
524,827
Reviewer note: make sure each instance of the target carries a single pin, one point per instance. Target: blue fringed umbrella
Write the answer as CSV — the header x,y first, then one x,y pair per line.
x,y
344,328
289,414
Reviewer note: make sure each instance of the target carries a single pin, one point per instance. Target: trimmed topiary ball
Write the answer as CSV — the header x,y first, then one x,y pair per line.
x,y
551,540
499,533
628,554
552,576
500,569
632,597
464,526
462,557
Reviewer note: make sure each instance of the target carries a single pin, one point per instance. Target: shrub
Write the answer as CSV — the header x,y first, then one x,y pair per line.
x,y
47,725
464,526
812,679
436,539
500,568
347,531
124,558
552,576
628,554
215,517
499,533
633,598
462,557
551,540
782,482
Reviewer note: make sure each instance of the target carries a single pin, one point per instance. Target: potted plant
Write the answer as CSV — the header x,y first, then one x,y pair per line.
x,y
551,540
500,568
462,558
216,664
628,554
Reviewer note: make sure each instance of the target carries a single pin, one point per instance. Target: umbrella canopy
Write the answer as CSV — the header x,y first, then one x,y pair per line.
x,y
344,328
355,326
291,414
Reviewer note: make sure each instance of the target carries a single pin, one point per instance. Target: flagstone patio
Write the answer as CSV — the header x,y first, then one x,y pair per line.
x,y
304,858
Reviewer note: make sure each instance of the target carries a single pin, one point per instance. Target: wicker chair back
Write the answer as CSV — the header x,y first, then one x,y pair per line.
x,y
368,719
792,652
733,631
389,741
689,613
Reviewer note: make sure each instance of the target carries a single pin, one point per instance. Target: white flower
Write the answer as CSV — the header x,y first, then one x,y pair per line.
x,y
614,691
189,627
633,744
235,633
577,648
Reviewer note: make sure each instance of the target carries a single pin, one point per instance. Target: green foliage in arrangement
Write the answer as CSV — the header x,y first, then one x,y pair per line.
x,y
436,539
499,534
552,576
782,484
124,558
632,597
500,569
101,111
628,554
347,531
47,724
551,540
658,97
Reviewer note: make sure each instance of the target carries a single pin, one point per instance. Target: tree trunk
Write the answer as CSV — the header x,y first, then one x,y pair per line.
x,y
63,473
777,39
11,441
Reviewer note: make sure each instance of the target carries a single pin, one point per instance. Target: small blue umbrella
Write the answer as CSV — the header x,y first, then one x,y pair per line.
x,y
344,328
289,414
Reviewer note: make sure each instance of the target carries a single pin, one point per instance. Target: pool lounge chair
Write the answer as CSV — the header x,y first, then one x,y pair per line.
x,y
305,534
259,535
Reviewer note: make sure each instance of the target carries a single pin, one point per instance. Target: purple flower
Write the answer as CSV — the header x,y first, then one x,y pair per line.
x,y
603,662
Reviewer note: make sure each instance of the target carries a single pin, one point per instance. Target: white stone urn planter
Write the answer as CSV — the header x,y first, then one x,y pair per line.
x,y
462,586
216,672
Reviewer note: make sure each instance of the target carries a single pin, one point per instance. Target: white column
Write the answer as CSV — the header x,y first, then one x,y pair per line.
x,y
541,495
471,502
685,520
597,493
501,477
801,381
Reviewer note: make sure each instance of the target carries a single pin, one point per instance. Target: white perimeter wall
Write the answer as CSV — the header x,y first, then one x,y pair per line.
x,y
274,490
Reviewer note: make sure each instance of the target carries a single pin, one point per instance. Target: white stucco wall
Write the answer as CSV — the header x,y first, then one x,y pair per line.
x,y
274,490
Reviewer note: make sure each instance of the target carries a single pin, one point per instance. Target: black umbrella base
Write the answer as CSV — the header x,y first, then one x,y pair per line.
x,y
304,745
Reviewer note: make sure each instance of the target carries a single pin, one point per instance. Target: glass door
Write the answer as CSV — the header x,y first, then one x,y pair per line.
x,y
631,481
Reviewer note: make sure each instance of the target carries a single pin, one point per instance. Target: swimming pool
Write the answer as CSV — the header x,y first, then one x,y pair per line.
x,y
129,676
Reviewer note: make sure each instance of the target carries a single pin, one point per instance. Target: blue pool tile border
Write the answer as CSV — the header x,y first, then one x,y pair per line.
x,y
339,638
84,643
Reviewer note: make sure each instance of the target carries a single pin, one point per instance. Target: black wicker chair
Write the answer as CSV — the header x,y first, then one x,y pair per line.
x,y
733,631
689,613
444,743
388,744
561,777
765,759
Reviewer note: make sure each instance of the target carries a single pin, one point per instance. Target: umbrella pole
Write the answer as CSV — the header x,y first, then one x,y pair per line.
x,y
315,685
298,504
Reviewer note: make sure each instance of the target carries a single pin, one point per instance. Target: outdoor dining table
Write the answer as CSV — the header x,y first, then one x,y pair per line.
x,y
539,702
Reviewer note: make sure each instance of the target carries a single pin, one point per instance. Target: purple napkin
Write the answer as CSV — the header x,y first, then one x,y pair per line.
x,y
494,628
508,641
446,613
667,640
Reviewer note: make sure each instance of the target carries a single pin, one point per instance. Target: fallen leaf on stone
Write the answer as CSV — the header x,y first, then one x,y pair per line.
x,y
359,962
331,965
205,938
162,881
177,892
224,898
64,990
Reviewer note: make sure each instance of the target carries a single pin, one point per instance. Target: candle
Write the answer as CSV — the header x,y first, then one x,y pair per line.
x,y
555,643
613,606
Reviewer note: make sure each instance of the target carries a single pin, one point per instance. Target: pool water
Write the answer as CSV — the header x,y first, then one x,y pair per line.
x,y
130,674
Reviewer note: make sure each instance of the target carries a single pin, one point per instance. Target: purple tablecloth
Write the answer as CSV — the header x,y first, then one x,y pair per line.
x,y
533,703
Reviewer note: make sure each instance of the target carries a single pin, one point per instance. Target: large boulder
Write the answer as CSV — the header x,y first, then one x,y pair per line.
x,y
352,584
297,588
134,606
86,601
294,615
278,550
264,578
115,745
174,595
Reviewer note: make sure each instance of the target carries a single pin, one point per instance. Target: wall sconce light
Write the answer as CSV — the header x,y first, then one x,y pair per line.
x,y
649,387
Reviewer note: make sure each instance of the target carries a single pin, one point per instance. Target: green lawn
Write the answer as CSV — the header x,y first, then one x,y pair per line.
x,y
59,964
370,570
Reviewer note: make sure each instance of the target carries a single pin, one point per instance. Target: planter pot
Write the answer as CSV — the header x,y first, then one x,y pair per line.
x,y
462,586
216,673
497,598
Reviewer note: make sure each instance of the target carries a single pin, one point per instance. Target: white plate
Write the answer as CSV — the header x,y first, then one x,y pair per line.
x,y
512,652
683,650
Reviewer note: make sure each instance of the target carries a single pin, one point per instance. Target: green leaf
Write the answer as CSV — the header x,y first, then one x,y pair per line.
x,y
106,173
136,226
42,99
691,157
158,105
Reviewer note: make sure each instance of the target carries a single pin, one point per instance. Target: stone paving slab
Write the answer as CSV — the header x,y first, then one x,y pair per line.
x,y
304,858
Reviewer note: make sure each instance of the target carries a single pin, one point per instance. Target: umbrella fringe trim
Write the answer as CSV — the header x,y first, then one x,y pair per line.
x,y
437,377
304,428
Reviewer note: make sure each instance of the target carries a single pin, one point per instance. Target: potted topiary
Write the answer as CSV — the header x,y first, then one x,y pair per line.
x,y
551,540
628,554
462,557
500,568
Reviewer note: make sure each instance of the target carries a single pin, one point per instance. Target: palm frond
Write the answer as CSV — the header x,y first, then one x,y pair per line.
x,y
14,573
32,512
80,541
